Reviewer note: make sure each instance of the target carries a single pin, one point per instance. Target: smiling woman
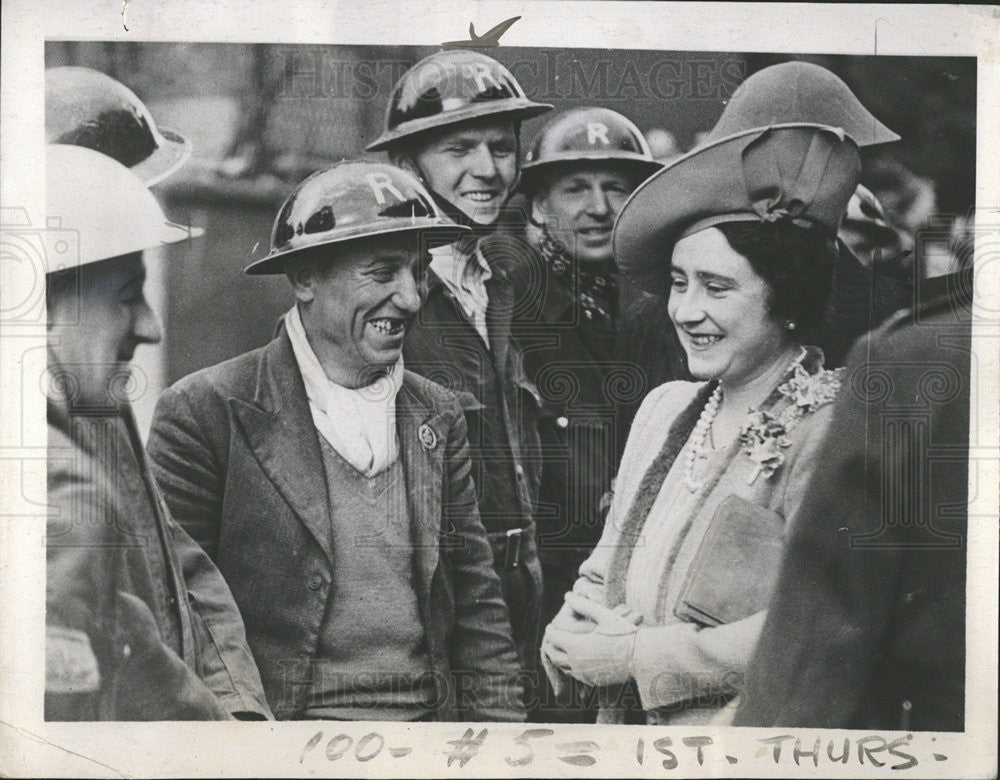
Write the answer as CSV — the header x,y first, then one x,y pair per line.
x,y
673,597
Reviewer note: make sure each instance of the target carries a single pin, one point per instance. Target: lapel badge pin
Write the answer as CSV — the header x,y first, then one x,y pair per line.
x,y
428,439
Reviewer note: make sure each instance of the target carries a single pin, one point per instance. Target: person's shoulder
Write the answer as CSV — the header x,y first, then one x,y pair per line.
x,y
229,377
511,255
670,397
658,411
916,331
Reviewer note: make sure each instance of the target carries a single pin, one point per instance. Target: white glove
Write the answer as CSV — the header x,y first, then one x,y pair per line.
x,y
599,656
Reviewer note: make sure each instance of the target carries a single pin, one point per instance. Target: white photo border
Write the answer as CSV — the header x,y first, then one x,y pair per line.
x,y
30,746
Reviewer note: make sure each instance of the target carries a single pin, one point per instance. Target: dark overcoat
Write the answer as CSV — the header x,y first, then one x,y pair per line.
x,y
140,624
867,627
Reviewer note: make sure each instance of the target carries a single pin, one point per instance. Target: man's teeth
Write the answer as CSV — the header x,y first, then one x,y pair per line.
x,y
480,197
387,327
703,341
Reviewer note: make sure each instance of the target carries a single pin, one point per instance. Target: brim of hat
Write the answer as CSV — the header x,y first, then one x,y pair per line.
x,y
274,263
687,190
532,173
104,247
172,151
523,109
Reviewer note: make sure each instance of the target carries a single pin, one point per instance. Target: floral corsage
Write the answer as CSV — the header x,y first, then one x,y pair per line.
x,y
765,435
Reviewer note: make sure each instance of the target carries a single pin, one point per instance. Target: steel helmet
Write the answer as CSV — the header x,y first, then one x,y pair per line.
x,y
98,209
352,200
795,93
448,87
588,134
84,107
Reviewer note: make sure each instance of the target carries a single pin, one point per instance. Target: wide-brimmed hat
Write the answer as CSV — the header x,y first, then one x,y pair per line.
x,y
794,93
804,173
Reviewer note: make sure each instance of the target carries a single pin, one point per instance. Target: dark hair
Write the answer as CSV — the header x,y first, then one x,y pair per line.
x,y
797,263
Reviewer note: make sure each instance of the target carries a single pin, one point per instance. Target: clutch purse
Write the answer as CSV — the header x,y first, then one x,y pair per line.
x,y
736,565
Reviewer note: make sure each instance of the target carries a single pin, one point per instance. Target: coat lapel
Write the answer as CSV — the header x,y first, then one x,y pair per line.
x,y
279,429
423,437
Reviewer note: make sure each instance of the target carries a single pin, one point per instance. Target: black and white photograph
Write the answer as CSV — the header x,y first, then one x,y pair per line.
x,y
552,389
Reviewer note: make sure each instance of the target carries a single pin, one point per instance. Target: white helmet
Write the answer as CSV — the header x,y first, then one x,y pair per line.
x,y
97,209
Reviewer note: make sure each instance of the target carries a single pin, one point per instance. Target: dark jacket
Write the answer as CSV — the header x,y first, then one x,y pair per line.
x,y
125,581
867,628
570,357
501,408
237,454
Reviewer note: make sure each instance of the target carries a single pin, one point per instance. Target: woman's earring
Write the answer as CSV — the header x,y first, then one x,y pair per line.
x,y
789,324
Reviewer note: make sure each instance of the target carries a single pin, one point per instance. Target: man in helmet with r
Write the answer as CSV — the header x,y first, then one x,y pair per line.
x,y
453,120
582,166
332,486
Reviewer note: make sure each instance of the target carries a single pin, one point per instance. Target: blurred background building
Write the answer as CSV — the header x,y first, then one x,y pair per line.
x,y
261,117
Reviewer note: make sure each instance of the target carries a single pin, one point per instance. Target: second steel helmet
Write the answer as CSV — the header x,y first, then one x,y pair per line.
x,y
84,107
448,87
347,201
588,134
102,207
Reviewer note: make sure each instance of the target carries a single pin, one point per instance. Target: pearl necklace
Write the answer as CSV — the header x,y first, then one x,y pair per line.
x,y
699,437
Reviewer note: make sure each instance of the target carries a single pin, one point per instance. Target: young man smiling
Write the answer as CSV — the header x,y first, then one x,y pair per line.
x,y
454,122
333,487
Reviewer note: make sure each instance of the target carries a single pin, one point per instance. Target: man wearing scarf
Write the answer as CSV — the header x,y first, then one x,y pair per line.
x,y
332,485
454,121
581,168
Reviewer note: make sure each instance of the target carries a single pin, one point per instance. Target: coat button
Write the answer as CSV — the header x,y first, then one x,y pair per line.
x,y
519,470
126,652
562,422
315,582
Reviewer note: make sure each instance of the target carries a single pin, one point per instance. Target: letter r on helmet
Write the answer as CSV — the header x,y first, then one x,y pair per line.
x,y
380,182
597,131
481,73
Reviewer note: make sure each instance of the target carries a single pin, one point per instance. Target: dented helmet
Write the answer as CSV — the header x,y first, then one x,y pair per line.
x,y
352,200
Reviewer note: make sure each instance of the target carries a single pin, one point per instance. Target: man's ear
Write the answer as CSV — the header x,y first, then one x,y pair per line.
x,y
539,209
302,275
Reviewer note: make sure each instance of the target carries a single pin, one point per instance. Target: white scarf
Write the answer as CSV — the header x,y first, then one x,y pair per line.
x,y
360,424
466,277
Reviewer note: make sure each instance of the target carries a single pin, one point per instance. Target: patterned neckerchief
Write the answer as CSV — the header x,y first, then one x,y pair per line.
x,y
597,289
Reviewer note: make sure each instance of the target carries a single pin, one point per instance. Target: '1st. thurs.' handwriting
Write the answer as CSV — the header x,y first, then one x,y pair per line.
x,y
671,753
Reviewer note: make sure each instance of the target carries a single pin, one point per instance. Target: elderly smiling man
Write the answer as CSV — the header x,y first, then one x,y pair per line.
x,y
333,487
